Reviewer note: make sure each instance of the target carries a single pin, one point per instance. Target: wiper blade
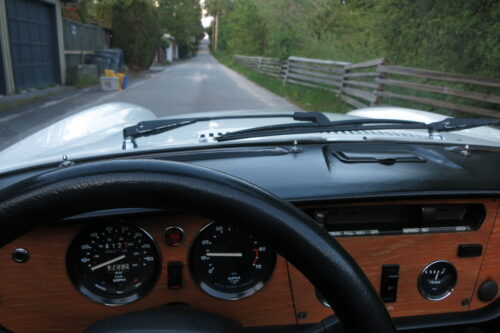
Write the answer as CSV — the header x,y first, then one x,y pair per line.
x,y
446,125
153,127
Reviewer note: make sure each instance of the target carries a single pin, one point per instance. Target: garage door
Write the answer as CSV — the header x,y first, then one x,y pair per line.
x,y
33,43
2,76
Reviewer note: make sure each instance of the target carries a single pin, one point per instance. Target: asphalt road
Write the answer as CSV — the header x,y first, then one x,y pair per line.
x,y
200,84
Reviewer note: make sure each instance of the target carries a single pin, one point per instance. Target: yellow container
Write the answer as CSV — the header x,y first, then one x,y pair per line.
x,y
120,76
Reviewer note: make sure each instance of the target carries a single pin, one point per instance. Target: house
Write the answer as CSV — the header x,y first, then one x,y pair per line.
x,y
170,53
31,45
172,50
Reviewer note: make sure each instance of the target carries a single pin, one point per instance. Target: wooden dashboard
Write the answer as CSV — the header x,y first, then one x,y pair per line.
x,y
38,296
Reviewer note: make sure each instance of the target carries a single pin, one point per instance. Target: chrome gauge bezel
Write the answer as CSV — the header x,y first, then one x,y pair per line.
x,y
229,296
444,295
109,300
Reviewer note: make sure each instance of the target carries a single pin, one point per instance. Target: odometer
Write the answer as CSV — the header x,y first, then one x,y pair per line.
x,y
113,263
230,263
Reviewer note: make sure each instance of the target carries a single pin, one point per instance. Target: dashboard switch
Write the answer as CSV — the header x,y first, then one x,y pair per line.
x,y
488,291
389,283
470,250
174,275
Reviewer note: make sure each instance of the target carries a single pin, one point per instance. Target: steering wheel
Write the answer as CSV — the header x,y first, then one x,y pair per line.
x,y
160,184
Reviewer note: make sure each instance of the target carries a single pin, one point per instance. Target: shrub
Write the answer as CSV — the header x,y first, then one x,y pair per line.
x,y
136,32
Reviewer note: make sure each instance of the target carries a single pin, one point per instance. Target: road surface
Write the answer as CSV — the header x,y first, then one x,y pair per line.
x,y
196,85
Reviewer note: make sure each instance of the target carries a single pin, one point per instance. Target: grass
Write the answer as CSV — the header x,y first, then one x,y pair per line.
x,y
85,81
306,98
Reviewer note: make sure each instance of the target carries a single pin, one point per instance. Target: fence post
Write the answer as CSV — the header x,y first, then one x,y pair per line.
x,y
287,70
380,86
344,79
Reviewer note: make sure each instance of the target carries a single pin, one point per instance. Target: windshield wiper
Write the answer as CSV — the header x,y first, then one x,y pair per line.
x,y
153,127
446,125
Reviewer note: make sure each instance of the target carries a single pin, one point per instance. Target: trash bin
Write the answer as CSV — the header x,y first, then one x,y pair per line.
x,y
102,61
107,59
114,56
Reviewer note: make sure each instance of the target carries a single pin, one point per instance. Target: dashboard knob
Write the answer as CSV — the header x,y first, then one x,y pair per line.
x,y
20,255
487,291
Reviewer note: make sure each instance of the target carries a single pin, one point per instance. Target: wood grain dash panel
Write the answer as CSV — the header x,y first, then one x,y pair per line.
x,y
39,297
412,253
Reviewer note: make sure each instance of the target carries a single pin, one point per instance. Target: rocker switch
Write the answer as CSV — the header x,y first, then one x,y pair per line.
x,y
389,283
174,274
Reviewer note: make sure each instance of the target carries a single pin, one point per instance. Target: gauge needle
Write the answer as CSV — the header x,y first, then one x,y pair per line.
x,y
437,275
224,254
107,262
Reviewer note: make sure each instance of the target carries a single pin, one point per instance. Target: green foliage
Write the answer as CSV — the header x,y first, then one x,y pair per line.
x,y
136,31
181,19
219,7
247,32
138,24
164,43
86,80
460,36
457,36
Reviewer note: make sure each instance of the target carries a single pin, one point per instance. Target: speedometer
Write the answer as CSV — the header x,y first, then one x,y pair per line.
x,y
230,263
113,263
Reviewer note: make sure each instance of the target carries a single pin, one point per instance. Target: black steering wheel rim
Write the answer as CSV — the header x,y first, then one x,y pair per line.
x,y
160,184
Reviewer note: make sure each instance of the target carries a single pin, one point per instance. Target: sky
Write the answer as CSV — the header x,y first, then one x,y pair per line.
x,y
205,20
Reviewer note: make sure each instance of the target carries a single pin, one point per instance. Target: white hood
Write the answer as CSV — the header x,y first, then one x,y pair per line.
x,y
98,131
95,131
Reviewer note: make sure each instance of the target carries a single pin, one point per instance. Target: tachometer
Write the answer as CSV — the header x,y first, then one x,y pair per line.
x,y
113,263
230,263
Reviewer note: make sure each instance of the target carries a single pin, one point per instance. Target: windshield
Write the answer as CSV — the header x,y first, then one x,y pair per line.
x,y
75,74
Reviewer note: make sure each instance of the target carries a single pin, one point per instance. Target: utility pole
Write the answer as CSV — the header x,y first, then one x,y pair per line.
x,y
216,31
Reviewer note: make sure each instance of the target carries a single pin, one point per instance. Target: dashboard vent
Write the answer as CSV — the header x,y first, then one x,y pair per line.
x,y
349,221
383,157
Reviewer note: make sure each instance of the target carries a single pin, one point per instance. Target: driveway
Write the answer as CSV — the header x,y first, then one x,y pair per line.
x,y
200,84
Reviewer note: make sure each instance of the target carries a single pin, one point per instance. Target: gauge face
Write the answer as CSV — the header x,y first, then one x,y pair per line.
x,y
437,280
229,263
113,263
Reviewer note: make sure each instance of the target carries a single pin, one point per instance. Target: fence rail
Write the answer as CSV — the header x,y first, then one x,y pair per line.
x,y
375,82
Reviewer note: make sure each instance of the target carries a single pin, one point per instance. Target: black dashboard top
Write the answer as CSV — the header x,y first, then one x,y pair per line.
x,y
316,172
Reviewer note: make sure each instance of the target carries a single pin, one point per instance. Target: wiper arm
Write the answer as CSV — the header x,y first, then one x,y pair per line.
x,y
153,127
458,124
446,125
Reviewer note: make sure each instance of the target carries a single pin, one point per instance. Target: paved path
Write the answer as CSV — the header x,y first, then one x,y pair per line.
x,y
197,85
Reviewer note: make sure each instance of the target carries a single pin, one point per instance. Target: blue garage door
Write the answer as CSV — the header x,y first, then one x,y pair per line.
x,y
2,76
33,43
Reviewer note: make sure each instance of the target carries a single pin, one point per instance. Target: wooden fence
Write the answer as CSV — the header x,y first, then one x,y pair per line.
x,y
83,39
268,66
375,82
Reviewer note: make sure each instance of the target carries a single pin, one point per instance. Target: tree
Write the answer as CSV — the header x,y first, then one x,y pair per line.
x,y
219,7
136,31
448,35
181,19
243,30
